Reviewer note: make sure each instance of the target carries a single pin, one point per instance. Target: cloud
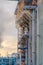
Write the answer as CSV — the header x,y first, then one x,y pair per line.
x,y
8,0
10,41
8,31
4,51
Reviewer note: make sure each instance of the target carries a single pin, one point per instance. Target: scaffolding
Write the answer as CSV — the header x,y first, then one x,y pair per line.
x,y
26,22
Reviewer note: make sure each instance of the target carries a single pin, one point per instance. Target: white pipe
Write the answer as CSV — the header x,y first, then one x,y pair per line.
x,y
33,38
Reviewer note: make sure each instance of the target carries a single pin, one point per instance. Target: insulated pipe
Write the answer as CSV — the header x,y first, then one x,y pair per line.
x,y
33,39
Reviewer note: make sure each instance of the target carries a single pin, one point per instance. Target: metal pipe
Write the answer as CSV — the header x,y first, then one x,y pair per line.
x,y
33,38
37,38
27,52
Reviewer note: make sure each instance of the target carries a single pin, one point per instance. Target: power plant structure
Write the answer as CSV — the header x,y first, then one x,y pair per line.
x,y
26,23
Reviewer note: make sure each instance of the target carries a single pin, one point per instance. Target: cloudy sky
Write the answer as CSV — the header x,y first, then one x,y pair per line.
x,y
8,0
8,31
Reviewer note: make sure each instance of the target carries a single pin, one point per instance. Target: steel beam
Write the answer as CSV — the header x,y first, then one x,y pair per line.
x,y
29,7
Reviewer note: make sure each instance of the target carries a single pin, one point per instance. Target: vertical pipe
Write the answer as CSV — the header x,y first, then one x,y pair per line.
x,y
19,34
35,34
27,51
30,41
33,38
37,39
29,45
20,58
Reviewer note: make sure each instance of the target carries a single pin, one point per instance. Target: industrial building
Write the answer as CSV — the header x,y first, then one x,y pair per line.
x,y
29,22
8,60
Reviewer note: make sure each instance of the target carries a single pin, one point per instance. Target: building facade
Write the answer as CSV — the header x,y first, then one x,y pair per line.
x,y
26,22
40,33
29,22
